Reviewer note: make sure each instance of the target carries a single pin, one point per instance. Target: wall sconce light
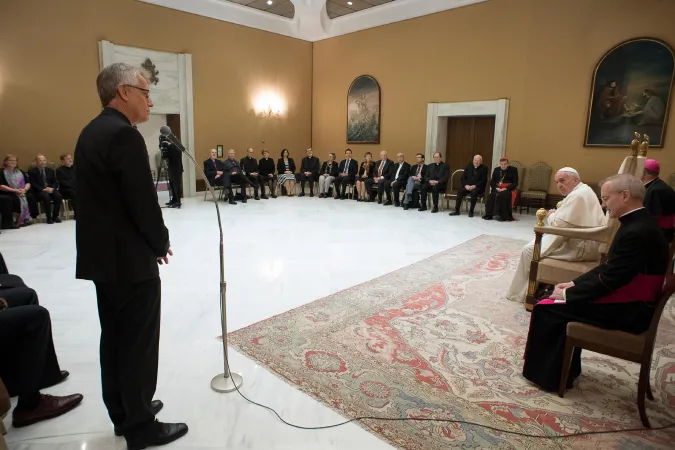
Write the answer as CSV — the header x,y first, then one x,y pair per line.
x,y
268,105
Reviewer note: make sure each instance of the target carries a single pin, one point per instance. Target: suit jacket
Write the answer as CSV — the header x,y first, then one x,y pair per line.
x,y
362,171
403,174
636,263
423,173
476,176
37,184
386,169
281,167
212,171
65,176
250,165
511,177
266,167
334,169
231,165
310,165
439,172
120,231
351,170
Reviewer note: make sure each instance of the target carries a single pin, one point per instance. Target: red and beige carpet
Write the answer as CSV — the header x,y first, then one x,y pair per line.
x,y
438,340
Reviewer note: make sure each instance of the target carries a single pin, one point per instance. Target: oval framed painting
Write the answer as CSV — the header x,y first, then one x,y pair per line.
x,y
631,90
363,111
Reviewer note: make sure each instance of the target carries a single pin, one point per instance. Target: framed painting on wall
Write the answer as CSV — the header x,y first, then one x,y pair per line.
x,y
363,111
631,90
219,151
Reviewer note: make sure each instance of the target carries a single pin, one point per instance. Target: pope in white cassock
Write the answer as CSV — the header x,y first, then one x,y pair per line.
x,y
579,209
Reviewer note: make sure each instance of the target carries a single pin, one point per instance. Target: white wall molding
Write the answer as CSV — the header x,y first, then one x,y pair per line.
x,y
437,124
311,23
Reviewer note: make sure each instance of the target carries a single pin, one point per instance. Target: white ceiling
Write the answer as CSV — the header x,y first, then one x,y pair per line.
x,y
312,20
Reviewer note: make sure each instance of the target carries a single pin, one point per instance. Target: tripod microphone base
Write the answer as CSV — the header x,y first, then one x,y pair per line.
x,y
222,384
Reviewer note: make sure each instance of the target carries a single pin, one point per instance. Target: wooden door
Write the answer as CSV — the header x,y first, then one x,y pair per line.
x,y
469,136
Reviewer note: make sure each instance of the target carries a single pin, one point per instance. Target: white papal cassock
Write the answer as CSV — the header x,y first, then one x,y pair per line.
x,y
580,209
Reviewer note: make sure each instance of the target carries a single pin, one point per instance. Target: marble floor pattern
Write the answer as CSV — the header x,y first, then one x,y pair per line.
x,y
280,254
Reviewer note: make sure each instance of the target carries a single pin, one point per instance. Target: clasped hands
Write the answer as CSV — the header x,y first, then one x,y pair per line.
x,y
559,288
470,188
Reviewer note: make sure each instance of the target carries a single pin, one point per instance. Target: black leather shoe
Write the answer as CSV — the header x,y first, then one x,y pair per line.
x,y
486,217
155,405
434,209
57,220
302,194
470,213
422,208
387,203
159,433
232,202
454,213
379,201
264,197
311,194
397,205
175,205
256,198
274,196
405,207
337,198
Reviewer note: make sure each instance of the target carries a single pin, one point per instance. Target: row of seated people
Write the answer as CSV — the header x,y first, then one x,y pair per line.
x,y
389,177
21,191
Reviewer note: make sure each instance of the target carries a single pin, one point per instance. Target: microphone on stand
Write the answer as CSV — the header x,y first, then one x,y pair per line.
x,y
226,381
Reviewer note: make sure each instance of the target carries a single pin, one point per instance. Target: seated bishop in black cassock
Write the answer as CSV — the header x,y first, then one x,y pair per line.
x,y
309,172
659,198
616,295
503,192
250,167
474,181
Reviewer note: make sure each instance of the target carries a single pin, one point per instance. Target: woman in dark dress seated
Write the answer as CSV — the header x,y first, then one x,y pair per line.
x,y
15,184
365,172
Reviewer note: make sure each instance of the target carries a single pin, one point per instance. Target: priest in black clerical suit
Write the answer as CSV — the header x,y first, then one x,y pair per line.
x,y
436,181
659,198
616,295
309,172
214,168
474,181
348,169
381,174
503,192
249,166
400,173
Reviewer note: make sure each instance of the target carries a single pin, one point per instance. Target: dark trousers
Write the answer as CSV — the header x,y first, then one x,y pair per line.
x,y
341,184
215,182
130,316
473,195
499,204
395,187
268,181
16,202
44,198
15,292
6,212
239,179
380,188
70,194
311,178
545,345
435,189
175,183
28,360
254,181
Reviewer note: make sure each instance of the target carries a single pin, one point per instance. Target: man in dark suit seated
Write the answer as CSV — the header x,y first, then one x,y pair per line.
x,y
474,181
120,244
381,174
415,181
44,186
213,168
436,181
348,170
65,176
659,198
309,172
234,174
28,364
266,168
399,177
249,166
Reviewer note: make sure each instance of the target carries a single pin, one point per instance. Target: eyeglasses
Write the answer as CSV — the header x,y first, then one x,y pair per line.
x,y
145,92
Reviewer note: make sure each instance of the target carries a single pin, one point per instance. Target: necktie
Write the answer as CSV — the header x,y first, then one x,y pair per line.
x,y
346,166
379,172
419,170
44,177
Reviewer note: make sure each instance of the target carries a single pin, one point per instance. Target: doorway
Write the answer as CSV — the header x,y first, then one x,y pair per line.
x,y
469,136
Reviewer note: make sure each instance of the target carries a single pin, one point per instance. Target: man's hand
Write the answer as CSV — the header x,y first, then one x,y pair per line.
x,y
219,173
567,285
308,173
501,189
255,174
472,187
288,172
550,211
164,259
342,174
433,182
557,294
3,303
48,190
234,172
467,187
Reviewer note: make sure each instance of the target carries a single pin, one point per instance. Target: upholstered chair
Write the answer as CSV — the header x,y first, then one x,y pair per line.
x,y
538,181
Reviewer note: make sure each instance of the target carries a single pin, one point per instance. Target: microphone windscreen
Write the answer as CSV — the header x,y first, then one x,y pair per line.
x,y
165,130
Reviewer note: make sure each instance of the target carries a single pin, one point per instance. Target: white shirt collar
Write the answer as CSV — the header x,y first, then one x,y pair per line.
x,y
631,211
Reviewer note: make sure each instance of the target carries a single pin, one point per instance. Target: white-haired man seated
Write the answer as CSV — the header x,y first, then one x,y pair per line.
x,y
579,209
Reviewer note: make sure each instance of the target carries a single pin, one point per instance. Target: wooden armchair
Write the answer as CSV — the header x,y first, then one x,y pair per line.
x,y
619,344
554,271
453,186
538,180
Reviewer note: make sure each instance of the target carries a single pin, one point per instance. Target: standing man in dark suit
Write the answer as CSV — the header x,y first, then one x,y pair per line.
x,y
44,186
65,176
436,181
250,167
399,177
121,239
309,171
213,168
418,173
381,174
348,169
474,181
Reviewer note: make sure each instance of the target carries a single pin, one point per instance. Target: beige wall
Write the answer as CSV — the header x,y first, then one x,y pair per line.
x,y
540,54
49,61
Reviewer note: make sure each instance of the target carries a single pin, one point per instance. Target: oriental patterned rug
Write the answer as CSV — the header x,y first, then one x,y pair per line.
x,y
438,340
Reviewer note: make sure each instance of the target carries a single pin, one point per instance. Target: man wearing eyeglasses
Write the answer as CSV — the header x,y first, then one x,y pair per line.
x,y
121,239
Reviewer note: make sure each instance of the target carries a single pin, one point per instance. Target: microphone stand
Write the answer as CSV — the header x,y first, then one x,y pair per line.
x,y
226,381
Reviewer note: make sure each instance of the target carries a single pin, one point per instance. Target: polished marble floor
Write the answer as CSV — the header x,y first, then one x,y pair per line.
x,y
280,254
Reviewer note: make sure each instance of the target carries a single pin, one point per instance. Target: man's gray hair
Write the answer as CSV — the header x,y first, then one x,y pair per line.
x,y
114,75
626,182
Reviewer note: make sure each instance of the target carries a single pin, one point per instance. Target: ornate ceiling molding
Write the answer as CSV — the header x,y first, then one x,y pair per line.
x,y
311,22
